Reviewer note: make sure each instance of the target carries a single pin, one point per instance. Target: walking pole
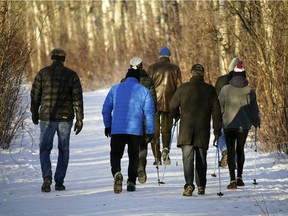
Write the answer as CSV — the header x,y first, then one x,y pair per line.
x,y
157,167
177,135
173,130
255,150
214,174
218,150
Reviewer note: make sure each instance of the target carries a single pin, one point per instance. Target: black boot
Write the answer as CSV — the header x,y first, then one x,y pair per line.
x,y
46,184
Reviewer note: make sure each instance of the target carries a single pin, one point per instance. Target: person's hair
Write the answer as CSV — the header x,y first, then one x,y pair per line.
x,y
58,58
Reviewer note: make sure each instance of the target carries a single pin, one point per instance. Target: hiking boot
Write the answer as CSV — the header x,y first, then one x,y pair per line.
x,y
188,190
240,182
46,184
59,186
223,162
201,190
165,156
118,179
232,185
157,162
142,177
131,186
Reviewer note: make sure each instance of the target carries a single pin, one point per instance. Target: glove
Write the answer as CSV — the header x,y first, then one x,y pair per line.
x,y
78,126
149,138
257,125
35,118
215,142
107,132
176,118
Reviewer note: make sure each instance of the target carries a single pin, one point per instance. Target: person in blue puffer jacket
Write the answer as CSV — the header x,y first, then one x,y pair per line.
x,y
126,106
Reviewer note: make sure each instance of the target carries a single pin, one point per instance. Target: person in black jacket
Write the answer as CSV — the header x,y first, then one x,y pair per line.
x,y
56,96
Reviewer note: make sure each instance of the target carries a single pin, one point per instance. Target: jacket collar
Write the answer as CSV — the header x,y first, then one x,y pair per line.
x,y
196,79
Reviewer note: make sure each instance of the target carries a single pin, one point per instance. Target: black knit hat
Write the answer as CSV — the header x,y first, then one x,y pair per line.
x,y
133,73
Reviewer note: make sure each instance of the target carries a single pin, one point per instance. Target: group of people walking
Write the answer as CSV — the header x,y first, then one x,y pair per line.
x,y
140,110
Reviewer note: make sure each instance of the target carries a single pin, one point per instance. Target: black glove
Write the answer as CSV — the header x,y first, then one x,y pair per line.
x,y
215,141
257,125
78,126
176,118
35,118
149,138
107,132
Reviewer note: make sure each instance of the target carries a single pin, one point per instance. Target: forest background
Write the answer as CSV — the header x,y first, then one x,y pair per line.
x,y
100,38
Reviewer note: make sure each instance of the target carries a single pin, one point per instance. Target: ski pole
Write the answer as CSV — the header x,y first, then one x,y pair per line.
x,y
165,164
177,135
157,167
255,154
218,150
214,174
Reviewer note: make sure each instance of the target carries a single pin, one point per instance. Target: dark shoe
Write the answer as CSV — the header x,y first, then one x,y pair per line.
x,y
46,184
240,182
165,156
223,162
131,186
201,190
232,185
118,179
157,162
59,186
188,190
142,177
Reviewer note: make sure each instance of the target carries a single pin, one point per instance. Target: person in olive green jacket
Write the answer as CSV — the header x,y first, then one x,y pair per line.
x,y
198,101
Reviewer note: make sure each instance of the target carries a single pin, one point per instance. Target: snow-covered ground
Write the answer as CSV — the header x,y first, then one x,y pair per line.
x,y
89,184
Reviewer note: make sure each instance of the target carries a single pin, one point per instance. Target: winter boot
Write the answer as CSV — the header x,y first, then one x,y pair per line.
x,y
118,179
201,190
131,186
165,156
188,190
232,185
142,177
46,184
240,182
223,162
59,186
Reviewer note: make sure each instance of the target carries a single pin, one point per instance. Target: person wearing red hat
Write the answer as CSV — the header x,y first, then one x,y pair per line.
x,y
240,111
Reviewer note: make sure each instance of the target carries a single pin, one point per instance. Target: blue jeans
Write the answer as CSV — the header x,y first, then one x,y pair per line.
x,y
200,154
48,130
222,142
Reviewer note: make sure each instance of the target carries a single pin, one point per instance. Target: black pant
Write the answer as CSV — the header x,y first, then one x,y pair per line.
x,y
118,142
240,138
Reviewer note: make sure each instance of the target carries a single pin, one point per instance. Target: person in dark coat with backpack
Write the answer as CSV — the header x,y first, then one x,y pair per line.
x,y
56,97
197,101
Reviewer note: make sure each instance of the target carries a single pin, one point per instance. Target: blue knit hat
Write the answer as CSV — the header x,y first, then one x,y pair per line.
x,y
164,51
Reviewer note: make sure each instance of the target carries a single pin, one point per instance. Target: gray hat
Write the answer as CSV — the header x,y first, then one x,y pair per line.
x,y
233,63
58,52
135,62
